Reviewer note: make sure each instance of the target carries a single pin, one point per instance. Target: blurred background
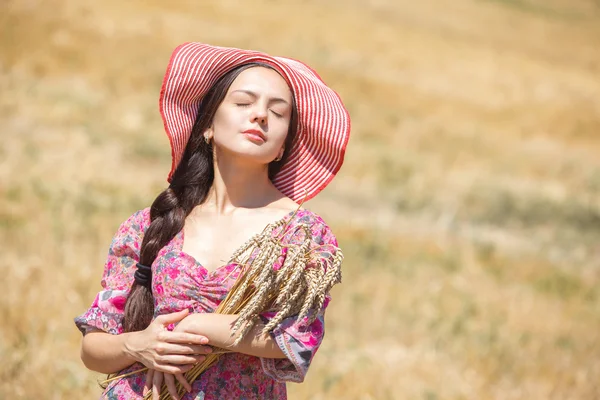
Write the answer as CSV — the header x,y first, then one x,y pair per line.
x,y
468,206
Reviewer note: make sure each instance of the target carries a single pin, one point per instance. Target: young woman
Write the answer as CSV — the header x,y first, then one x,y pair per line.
x,y
252,136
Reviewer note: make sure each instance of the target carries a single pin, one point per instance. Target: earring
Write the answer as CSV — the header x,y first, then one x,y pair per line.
x,y
207,139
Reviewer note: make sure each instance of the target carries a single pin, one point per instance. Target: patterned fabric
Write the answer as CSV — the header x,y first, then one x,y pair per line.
x,y
179,282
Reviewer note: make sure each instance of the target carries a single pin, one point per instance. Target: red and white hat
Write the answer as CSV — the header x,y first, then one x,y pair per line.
x,y
323,121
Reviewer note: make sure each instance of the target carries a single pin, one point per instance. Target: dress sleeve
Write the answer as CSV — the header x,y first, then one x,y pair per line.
x,y
299,340
106,312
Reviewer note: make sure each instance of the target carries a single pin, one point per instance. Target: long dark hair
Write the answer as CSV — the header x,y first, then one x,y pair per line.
x,y
189,187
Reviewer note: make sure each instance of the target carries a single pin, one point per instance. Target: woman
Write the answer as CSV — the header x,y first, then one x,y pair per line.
x,y
251,137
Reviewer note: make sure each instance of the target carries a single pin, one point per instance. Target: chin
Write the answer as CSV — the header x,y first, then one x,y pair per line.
x,y
257,157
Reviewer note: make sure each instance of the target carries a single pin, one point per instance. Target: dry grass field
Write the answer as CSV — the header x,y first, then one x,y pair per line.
x,y
468,207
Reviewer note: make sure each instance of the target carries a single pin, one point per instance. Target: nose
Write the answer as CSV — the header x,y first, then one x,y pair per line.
x,y
260,116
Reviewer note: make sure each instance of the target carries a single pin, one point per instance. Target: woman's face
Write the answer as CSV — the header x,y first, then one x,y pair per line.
x,y
254,117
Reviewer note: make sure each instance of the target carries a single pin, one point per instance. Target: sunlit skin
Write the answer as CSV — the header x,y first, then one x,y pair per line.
x,y
242,200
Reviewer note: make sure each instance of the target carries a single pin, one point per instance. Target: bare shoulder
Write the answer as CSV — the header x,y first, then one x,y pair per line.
x,y
284,205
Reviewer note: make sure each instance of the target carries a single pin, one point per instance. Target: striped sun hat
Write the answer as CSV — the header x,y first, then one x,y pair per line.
x,y
323,121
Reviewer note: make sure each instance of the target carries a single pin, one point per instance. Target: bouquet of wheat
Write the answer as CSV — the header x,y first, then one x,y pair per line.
x,y
298,287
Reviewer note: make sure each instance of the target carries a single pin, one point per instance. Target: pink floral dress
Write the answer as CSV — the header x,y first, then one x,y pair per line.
x,y
180,282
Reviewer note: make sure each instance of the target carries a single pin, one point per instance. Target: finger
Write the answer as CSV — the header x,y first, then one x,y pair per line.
x,y
170,382
184,382
148,384
180,348
182,337
157,385
167,319
173,369
181,360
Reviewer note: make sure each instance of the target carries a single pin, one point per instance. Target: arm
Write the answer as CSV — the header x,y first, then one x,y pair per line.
x,y
217,328
106,353
155,347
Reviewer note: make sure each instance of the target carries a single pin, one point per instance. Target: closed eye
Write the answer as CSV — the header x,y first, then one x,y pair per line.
x,y
242,104
276,114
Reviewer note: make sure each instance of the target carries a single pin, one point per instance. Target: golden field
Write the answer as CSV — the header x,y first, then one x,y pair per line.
x,y
468,206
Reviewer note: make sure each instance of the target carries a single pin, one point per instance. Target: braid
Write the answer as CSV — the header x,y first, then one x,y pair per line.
x,y
167,218
189,187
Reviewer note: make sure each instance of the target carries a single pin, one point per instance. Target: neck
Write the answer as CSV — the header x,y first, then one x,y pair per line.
x,y
239,184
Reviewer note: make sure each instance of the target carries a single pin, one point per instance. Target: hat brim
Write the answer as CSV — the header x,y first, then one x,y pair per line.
x,y
323,121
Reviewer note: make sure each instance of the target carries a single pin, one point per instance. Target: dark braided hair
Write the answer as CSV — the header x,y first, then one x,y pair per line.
x,y
189,187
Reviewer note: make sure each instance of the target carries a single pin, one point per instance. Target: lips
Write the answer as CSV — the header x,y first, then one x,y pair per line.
x,y
255,134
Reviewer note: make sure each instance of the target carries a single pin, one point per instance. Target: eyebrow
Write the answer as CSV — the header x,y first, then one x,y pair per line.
x,y
253,94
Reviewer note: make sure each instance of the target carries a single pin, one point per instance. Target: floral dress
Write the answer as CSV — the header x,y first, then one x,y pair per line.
x,y
179,282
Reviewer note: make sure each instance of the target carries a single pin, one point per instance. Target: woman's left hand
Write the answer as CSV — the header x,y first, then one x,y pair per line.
x,y
154,380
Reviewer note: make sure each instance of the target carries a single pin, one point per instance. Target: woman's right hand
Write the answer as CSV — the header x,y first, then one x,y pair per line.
x,y
165,351
154,381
